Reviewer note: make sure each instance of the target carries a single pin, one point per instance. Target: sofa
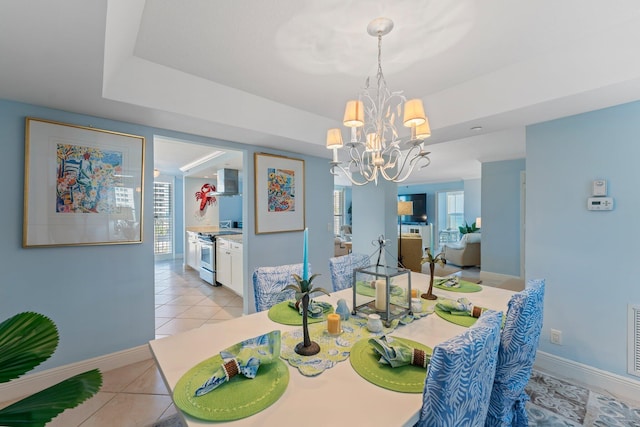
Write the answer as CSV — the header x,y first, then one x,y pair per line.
x,y
465,253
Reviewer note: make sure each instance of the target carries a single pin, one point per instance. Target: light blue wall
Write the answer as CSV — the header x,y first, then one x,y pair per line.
x,y
102,297
586,257
230,208
501,216
472,199
375,213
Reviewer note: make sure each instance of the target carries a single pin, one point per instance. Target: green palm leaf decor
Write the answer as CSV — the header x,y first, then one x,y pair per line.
x,y
26,340
41,407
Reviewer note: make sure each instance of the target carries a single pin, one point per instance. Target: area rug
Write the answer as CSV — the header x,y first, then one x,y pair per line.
x,y
170,421
555,402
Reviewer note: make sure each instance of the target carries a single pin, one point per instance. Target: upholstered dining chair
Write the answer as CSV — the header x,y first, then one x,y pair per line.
x,y
460,376
518,345
341,269
268,283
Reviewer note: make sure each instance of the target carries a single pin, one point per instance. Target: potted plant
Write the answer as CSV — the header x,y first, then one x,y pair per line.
x,y
432,260
26,340
466,228
303,290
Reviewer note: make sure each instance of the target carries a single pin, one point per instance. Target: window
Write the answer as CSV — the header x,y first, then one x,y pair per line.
x,y
338,211
455,209
162,218
450,215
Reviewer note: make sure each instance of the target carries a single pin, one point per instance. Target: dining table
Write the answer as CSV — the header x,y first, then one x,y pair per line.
x,y
336,396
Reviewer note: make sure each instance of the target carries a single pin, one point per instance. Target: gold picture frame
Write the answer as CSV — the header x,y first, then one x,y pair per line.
x,y
279,193
82,186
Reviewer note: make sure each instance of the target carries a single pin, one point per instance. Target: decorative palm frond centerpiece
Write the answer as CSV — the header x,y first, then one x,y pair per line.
x,y
432,260
303,290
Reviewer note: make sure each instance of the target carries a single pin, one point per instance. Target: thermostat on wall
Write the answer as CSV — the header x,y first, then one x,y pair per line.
x,y
600,203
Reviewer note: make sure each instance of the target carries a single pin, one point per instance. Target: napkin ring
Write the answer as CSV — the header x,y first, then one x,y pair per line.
x,y
476,311
231,368
419,358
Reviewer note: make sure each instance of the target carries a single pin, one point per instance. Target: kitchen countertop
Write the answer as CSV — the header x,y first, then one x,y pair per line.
x,y
211,229
232,237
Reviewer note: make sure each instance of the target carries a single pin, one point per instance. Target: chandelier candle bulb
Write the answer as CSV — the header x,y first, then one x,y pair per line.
x,y
381,295
333,324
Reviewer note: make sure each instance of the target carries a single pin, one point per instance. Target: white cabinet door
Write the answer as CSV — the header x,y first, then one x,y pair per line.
x,y
237,271
192,256
223,262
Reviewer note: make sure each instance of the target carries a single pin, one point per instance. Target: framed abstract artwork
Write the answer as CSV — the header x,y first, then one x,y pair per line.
x,y
83,186
279,193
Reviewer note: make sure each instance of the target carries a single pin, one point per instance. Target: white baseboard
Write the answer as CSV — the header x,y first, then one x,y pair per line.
x,y
622,387
33,383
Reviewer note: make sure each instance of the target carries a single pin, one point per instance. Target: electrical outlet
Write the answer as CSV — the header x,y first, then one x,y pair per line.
x,y
556,337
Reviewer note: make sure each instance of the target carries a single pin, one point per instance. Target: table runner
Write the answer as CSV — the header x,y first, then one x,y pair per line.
x,y
334,349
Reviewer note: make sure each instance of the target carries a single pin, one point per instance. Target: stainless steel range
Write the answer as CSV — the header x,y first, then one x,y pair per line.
x,y
208,255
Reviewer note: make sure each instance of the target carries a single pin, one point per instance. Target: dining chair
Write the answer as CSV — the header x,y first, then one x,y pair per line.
x,y
341,269
268,283
518,345
460,376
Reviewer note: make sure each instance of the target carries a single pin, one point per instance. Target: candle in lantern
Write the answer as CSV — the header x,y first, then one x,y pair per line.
x,y
305,255
333,324
381,295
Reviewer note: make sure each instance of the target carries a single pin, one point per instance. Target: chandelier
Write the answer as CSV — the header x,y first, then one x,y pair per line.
x,y
375,147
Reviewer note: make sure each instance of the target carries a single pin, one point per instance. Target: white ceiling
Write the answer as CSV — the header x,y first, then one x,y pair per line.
x,y
277,74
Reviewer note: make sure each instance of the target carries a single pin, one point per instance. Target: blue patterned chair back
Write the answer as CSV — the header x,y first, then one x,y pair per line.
x,y
460,376
518,346
268,283
341,269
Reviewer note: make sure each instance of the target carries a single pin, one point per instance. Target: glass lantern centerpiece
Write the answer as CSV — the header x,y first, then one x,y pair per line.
x,y
377,280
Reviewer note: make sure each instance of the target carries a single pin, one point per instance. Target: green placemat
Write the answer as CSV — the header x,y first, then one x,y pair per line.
x,y
465,321
284,314
238,398
406,379
465,287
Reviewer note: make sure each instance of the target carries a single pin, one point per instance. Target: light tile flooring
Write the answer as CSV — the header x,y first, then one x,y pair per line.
x,y
135,395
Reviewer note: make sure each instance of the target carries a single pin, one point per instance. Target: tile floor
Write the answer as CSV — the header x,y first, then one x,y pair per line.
x,y
135,395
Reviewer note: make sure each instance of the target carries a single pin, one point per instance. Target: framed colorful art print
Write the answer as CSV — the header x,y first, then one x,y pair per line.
x,y
83,186
279,193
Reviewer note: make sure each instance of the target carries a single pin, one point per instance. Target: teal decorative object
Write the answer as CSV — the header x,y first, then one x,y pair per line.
x,y
343,310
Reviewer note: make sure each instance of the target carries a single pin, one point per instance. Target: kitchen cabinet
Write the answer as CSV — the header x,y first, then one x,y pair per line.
x,y
229,265
192,254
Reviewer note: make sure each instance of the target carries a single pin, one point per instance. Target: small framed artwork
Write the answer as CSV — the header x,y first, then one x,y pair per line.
x,y
279,190
83,186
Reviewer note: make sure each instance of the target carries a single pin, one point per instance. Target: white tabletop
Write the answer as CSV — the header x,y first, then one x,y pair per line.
x,y
337,396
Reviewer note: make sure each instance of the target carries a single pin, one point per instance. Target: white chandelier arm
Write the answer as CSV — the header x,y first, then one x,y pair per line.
x,y
347,174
